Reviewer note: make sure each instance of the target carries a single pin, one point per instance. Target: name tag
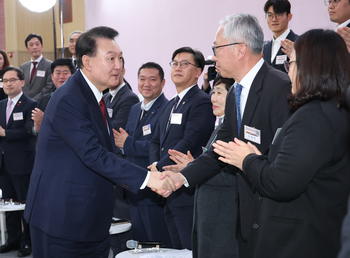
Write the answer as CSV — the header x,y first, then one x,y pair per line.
x,y
252,134
146,129
280,59
40,73
18,116
176,118
1,85
110,112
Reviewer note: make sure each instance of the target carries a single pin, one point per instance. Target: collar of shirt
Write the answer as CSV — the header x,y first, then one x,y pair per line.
x,y
36,60
341,25
97,93
115,91
276,44
15,100
183,93
148,106
247,81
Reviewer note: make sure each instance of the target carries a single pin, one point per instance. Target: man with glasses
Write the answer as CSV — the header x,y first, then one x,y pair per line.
x,y
186,125
277,14
18,153
255,109
339,12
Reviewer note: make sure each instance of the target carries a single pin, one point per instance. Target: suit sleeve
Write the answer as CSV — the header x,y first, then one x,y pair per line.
x,y
300,156
73,123
154,154
121,118
21,133
200,124
136,148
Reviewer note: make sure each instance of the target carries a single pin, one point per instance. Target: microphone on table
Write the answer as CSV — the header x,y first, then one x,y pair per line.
x,y
133,244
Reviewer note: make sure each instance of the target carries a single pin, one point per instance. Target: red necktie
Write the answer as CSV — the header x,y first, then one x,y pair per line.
x,y
103,109
33,71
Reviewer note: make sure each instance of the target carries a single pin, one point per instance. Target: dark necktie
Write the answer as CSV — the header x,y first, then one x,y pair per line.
x,y
143,114
33,71
75,63
103,109
238,91
108,99
175,103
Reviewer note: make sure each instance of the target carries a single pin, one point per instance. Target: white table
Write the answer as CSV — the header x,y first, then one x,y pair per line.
x,y
165,252
119,227
6,208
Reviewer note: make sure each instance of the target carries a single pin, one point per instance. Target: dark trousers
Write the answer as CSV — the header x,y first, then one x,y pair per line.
x,y
46,246
15,187
179,221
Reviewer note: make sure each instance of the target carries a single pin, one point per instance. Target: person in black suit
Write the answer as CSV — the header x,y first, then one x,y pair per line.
x,y
18,153
61,70
72,41
277,14
261,109
304,180
146,207
185,125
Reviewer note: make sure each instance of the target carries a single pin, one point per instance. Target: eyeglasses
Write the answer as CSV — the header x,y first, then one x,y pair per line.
x,y
183,64
278,16
329,2
215,47
287,64
12,80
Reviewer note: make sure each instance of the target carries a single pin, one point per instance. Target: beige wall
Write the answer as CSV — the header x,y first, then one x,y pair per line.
x,y
20,22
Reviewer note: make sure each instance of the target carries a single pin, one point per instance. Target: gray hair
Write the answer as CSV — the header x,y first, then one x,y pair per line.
x,y
244,28
76,31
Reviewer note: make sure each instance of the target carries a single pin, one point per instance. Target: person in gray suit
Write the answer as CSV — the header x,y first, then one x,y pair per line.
x,y
37,71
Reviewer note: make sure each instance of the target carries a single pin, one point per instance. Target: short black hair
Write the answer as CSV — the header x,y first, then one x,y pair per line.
x,y
279,6
123,60
20,73
152,65
323,65
197,55
33,35
86,43
227,82
62,61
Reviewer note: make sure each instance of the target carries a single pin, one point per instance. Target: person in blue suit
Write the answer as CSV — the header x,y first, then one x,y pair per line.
x,y
185,125
146,207
70,198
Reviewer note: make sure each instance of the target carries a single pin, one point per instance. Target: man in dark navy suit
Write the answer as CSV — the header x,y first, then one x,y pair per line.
x,y
277,14
146,207
70,199
18,153
186,125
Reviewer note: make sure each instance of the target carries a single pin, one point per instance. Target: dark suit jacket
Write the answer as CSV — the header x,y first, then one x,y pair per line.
x,y
267,52
304,183
266,109
18,145
40,85
136,146
194,131
121,104
71,191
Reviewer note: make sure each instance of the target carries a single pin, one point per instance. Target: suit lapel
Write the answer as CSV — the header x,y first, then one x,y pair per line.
x,y
118,96
17,108
39,66
96,111
253,97
268,52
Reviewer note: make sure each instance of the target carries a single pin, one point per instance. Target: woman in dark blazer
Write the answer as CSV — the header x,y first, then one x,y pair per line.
x,y
305,179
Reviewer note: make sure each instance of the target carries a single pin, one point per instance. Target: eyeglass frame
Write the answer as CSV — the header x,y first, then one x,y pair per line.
x,y
332,2
286,64
274,15
231,44
11,80
172,66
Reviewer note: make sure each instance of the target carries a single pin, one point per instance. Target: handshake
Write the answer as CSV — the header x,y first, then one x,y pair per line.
x,y
170,179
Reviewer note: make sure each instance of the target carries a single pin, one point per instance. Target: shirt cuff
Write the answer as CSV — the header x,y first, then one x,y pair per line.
x,y
143,186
